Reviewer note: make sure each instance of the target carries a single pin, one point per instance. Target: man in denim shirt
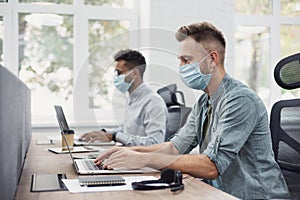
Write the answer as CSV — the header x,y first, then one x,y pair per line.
x,y
229,123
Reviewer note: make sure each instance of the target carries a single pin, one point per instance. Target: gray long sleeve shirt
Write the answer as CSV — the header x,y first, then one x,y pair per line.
x,y
145,119
240,143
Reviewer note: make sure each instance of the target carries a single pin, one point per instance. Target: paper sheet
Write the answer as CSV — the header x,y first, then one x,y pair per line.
x,y
74,187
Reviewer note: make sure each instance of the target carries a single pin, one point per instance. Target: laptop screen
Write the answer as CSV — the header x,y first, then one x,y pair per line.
x,y
63,126
61,119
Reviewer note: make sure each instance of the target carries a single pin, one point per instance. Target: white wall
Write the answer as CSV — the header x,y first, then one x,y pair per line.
x,y
159,20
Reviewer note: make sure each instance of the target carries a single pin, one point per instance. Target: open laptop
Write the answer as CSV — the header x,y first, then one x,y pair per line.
x,y
64,127
85,166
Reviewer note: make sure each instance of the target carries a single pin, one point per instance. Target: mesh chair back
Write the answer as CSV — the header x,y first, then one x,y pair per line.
x,y
285,129
285,124
168,94
287,72
177,112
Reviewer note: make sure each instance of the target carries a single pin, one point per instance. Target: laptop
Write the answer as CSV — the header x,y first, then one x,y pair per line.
x,y
64,127
86,166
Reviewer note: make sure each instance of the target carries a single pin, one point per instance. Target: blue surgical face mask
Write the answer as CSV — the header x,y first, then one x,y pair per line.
x,y
121,84
191,75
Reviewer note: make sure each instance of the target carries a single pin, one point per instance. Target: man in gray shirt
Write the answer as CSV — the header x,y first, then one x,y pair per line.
x,y
145,114
229,123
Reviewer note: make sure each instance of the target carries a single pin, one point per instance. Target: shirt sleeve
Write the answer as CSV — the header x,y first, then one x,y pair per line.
x,y
155,118
114,130
238,118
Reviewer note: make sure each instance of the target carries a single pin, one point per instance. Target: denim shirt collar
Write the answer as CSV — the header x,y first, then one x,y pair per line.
x,y
220,91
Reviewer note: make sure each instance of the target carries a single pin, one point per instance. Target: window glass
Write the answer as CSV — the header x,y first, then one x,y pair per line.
x,y
289,34
1,40
106,37
111,3
261,7
48,1
46,60
252,58
290,8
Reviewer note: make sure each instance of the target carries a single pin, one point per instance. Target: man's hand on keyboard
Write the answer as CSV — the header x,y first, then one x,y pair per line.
x,y
102,158
96,135
122,157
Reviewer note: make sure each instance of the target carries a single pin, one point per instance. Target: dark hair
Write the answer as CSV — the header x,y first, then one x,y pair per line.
x,y
206,34
133,59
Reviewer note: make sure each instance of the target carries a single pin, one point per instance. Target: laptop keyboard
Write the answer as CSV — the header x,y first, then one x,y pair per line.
x,y
90,165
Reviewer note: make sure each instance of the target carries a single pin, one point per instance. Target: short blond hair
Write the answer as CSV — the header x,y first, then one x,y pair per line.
x,y
205,33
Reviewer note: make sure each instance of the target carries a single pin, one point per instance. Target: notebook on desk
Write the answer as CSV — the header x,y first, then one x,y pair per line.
x,y
83,149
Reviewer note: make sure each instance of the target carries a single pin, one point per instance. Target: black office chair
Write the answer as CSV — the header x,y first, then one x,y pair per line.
x,y
177,112
285,124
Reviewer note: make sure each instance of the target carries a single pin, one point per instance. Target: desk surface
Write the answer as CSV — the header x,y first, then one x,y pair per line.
x,y
41,161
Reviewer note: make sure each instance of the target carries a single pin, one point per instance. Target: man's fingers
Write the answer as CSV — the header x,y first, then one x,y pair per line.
x,y
92,139
115,163
100,158
83,136
104,155
88,136
115,155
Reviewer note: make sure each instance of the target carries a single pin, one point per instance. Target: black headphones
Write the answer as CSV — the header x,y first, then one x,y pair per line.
x,y
168,179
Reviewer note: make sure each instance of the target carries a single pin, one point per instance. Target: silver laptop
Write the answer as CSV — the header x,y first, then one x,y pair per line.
x,y
87,166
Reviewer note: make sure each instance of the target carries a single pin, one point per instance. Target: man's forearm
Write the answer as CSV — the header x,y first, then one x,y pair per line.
x,y
166,147
196,165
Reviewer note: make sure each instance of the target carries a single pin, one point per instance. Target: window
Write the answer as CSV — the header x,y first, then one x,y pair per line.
x,y
265,32
106,37
288,35
46,59
251,63
262,7
65,54
111,3
45,2
290,8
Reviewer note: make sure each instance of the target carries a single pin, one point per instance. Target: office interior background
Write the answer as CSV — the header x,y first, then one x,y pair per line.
x,y
63,49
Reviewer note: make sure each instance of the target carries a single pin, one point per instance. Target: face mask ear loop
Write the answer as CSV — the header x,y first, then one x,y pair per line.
x,y
201,62
128,74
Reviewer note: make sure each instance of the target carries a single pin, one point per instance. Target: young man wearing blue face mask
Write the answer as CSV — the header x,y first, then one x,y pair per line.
x,y
145,113
229,124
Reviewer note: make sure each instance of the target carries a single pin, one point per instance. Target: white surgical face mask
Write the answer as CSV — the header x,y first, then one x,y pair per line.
x,y
191,75
121,84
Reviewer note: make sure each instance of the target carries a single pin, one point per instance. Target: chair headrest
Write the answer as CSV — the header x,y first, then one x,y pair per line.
x,y
287,72
168,93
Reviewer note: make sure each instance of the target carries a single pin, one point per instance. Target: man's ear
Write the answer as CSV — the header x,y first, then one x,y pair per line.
x,y
214,56
136,73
